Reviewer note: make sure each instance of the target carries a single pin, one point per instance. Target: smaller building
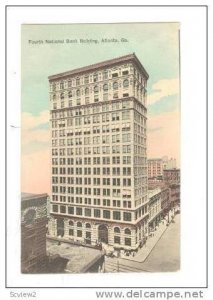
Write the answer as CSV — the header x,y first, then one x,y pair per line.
x,y
174,195
171,176
155,211
65,257
154,183
33,232
155,167
165,201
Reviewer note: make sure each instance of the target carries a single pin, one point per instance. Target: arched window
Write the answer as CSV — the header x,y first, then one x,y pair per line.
x,y
105,87
79,224
78,93
115,85
86,91
71,223
126,83
117,230
127,231
62,96
88,225
70,94
96,89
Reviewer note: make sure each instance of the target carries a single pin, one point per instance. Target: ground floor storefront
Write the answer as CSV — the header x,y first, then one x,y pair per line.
x,y
94,233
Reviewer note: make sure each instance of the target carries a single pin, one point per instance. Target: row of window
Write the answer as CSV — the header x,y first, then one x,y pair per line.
x,y
92,201
96,213
92,181
95,171
87,191
96,89
138,150
95,150
104,139
101,107
86,79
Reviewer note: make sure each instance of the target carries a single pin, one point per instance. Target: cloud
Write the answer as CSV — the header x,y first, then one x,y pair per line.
x,y
163,88
30,121
35,134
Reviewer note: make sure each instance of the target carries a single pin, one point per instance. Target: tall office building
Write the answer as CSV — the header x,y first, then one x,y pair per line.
x,y
99,166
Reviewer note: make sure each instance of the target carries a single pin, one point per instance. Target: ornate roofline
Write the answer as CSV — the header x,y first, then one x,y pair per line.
x,y
122,59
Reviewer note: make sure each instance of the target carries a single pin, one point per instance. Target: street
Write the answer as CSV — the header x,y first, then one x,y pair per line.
x,y
165,256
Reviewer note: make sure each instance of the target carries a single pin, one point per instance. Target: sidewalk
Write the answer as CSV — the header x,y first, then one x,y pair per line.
x,y
144,252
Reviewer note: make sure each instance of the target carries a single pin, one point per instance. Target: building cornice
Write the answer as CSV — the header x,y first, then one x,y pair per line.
x,y
95,67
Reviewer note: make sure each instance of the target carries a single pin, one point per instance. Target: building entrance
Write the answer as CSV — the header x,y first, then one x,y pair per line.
x,y
103,234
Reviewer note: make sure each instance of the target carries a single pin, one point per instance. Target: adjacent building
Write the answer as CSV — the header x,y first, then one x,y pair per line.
x,y
99,159
33,232
171,176
155,210
156,166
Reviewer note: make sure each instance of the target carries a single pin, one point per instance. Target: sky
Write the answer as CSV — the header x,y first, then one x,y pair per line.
x,y
156,46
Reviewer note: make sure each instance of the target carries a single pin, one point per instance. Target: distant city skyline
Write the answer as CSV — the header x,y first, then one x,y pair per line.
x,y
156,46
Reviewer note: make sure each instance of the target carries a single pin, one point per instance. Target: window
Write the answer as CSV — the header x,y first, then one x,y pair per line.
x,y
79,233
117,230
63,209
117,240
116,215
79,224
97,213
105,87
55,208
61,85
125,95
106,214
62,96
88,225
79,211
114,75
96,98
70,212
78,93
86,91
115,85
86,79
95,77
127,231
126,72
71,232
125,83
127,217
127,241
87,212
105,74
126,115
126,137
96,89
77,81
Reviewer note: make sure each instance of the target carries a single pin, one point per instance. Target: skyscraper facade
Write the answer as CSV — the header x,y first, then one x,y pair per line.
x,y
99,159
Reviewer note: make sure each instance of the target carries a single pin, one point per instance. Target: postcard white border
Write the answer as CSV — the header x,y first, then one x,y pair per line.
x,y
193,143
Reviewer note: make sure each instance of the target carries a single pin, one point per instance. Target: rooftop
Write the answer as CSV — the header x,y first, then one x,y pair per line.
x,y
30,196
154,192
106,63
80,258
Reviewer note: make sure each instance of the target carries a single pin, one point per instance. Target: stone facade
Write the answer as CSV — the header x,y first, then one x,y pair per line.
x,y
99,167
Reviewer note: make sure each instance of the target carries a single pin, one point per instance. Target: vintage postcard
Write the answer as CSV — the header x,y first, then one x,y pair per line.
x,y
100,134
